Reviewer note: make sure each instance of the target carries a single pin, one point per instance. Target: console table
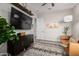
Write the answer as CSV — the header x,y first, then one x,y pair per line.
x,y
23,43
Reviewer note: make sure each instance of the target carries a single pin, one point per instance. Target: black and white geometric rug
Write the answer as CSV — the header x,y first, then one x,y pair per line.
x,y
41,48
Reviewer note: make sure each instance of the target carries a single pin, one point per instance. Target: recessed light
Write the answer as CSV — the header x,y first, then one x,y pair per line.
x,y
37,10
49,8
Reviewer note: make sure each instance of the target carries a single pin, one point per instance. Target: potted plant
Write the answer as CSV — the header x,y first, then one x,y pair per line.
x,y
65,38
66,30
6,32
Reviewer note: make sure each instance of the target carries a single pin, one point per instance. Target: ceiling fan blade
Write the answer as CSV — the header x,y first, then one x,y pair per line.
x,y
52,4
43,4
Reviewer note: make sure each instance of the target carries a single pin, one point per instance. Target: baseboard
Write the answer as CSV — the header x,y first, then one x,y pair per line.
x,y
47,41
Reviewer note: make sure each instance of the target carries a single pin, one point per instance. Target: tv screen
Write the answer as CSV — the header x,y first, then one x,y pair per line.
x,y
19,20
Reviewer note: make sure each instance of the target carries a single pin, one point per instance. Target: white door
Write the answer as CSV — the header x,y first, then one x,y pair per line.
x,y
40,29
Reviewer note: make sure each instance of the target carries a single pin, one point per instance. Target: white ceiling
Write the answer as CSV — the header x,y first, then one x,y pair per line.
x,y
37,8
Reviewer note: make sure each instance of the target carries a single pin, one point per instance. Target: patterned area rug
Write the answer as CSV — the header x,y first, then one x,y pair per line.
x,y
44,49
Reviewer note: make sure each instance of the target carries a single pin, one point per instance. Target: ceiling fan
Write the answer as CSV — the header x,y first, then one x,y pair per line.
x,y
52,4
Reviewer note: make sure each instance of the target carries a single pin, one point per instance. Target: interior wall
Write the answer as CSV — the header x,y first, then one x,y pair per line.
x,y
45,33
5,11
75,23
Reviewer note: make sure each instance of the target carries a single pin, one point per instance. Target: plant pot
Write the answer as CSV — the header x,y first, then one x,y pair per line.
x,y
3,48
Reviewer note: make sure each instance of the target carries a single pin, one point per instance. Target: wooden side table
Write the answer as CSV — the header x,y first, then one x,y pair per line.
x,y
65,43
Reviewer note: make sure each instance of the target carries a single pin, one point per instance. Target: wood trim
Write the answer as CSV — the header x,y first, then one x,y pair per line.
x,y
22,8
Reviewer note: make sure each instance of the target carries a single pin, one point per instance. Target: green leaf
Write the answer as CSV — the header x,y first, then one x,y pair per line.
x,y
7,32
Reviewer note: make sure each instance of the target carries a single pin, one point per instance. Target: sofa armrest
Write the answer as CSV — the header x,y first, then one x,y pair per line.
x,y
73,49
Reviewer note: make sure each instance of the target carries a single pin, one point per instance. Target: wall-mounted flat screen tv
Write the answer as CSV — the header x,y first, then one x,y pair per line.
x,y
19,20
